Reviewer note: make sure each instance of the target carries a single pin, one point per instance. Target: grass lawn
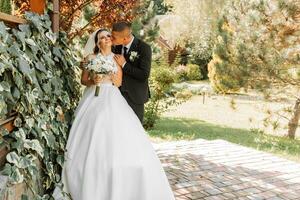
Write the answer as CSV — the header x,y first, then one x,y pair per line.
x,y
170,129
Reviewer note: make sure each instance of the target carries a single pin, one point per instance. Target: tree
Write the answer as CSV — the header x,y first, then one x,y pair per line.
x,y
258,47
79,17
145,25
190,25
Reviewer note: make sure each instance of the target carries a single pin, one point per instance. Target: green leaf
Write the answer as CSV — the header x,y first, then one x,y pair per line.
x,y
26,161
32,170
25,28
18,122
56,52
34,145
52,37
14,50
30,122
19,134
24,66
13,158
4,86
16,176
18,80
60,160
30,42
7,170
40,66
50,138
21,36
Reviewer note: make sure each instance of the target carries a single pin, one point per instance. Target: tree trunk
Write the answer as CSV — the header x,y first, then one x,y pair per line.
x,y
293,123
55,16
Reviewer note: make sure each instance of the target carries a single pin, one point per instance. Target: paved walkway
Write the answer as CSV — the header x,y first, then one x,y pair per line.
x,y
217,169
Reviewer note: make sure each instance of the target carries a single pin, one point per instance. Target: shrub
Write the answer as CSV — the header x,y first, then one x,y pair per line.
x,y
193,72
161,79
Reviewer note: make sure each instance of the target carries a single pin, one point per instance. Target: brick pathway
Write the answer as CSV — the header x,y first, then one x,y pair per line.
x,y
217,169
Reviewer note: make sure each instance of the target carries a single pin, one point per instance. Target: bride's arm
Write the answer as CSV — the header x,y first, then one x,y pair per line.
x,y
117,78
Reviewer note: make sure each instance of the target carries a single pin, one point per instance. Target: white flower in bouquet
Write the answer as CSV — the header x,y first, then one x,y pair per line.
x,y
101,65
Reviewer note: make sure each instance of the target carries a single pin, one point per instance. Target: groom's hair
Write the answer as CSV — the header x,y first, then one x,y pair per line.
x,y
121,26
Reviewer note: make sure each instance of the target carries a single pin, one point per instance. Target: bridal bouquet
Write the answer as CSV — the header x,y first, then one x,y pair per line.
x,y
101,65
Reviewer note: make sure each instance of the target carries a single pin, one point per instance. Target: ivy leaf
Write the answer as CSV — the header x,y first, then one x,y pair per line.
x,y
52,37
26,161
7,169
3,132
56,52
13,158
14,50
34,145
18,80
30,42
4,86
24,66
25,28
30,122
16,176
3,106
47,88
19,134
48,59
50,138
32,170
3,29
21,36
18,122
40,67
16,93
60,160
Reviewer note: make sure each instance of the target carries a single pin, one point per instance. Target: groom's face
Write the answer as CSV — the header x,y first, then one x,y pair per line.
x,y
117,38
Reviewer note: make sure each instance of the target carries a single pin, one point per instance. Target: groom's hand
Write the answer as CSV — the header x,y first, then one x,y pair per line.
x,y
120,60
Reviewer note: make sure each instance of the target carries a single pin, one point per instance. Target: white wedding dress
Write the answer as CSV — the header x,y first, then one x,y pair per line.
x,y
109,155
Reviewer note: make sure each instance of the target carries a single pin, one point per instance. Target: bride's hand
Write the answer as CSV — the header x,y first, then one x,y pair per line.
x,y
97,78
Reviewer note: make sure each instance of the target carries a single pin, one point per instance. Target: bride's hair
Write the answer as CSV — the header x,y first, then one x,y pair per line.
x,y
96,49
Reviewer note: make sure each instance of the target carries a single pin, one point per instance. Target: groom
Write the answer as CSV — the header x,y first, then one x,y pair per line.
x,y
134,56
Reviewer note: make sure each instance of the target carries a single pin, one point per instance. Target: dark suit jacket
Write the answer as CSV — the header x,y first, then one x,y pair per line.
x,y
136,72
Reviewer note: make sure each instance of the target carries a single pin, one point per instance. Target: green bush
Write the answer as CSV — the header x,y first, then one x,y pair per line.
x,y
181,73
38,81
161,79
193,72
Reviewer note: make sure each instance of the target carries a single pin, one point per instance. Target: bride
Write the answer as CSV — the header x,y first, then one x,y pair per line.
x,y
108,153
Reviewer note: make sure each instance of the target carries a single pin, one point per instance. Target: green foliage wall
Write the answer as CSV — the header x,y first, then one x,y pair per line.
x,y
38,81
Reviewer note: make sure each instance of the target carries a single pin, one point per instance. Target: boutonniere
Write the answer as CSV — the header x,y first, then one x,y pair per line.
x,y
133,55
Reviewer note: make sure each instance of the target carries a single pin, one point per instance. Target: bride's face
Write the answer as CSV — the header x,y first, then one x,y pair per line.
x,y
104,39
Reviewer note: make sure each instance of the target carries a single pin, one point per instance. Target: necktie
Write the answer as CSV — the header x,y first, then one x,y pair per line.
x,y
124,50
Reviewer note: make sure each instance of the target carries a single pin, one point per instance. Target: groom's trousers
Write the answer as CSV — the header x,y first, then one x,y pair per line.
x,y
137,108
